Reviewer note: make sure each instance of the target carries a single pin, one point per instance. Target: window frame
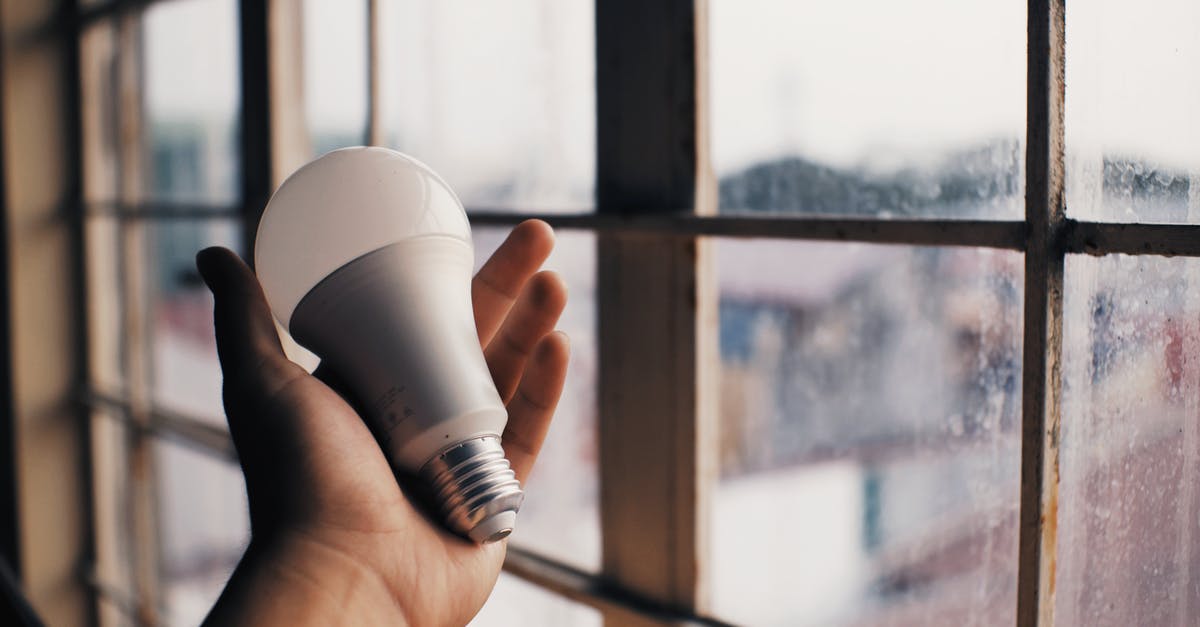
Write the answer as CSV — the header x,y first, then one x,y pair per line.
x,y
655,208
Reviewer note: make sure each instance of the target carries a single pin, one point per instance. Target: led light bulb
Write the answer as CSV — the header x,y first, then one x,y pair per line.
x,y
365,257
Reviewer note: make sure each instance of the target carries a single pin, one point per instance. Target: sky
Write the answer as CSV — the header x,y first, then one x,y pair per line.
x,y
857,81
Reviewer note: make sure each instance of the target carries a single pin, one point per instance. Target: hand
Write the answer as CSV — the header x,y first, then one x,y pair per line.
x,y
334,539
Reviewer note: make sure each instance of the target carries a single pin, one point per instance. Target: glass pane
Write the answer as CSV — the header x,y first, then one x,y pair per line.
x,y
1133,89
192,102
560,517
869,107
204,526
113,534
104,307
335,73
186,375
1128,549
870,434
499,98
517,602
98,82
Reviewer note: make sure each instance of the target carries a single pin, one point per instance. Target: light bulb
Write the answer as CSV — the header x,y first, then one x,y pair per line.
x,y
365,256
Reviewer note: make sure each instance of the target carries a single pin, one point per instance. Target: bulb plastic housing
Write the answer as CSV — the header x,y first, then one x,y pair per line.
x,y
365,257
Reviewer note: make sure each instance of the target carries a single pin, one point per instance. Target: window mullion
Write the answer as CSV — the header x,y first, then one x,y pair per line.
x,y
1042,365
374,131
258,163
1106,238
1004,234
652,302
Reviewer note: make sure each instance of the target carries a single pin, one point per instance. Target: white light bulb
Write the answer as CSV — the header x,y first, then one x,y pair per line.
x,y
365,257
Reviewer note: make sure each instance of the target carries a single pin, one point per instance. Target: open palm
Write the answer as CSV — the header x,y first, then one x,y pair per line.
x,y
326,510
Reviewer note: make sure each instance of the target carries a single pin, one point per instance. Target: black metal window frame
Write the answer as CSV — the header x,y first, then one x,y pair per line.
x,y
646,192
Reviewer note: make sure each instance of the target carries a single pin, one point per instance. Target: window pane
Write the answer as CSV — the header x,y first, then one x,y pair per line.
x,y
205,527
104,306
113,533
1133,90
186,376
869,107
1128,549
98,109
335,73
518,602
499,98
870,434
192,101
560,517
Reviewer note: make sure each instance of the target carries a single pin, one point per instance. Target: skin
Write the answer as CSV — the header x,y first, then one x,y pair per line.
x,y
335,539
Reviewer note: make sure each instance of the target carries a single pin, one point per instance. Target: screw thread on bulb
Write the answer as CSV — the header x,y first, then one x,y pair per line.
x,y
476,489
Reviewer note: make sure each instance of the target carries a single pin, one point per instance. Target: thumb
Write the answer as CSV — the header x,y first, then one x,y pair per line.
x,y
252,358
255,369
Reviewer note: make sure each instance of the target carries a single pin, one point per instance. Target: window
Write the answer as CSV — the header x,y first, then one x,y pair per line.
x,y
873,319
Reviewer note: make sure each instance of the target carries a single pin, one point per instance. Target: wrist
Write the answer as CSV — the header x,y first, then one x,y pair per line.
x,y
296,579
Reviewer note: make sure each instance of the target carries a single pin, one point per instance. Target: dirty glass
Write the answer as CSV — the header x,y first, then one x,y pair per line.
x,y
1128,496
112,525
335,73
99,89
185,375
869,434
518,602
869,107
561,514
499,98
1133,89
192,102
204,527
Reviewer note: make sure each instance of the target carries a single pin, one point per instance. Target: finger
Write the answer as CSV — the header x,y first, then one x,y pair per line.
x,y
252,358
532,406
530,319
501,278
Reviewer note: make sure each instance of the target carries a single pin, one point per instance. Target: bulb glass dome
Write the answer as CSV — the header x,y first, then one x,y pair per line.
x,y
342,206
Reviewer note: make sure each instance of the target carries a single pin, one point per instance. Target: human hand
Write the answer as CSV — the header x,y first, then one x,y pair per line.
x,y
334,537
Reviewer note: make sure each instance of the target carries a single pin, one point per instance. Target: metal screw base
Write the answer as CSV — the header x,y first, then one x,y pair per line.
x,y
476,489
